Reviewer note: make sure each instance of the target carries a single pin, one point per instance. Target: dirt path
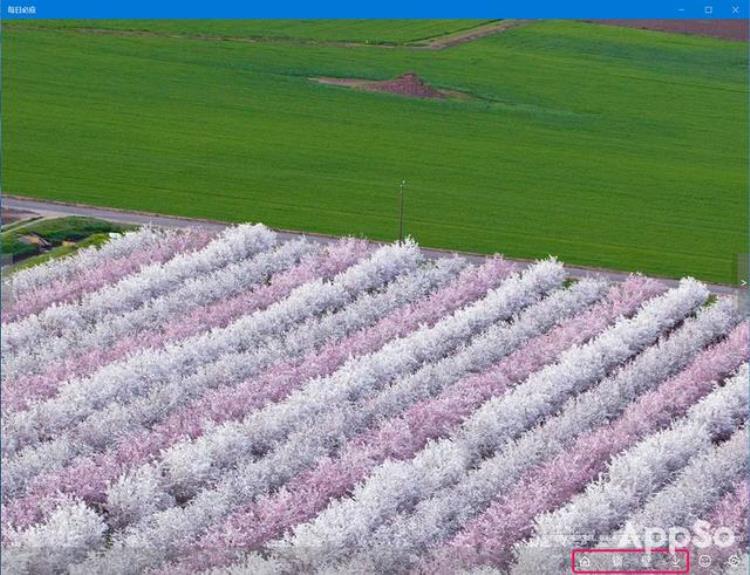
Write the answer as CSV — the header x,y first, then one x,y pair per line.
x,y
457,38
57,209
436,43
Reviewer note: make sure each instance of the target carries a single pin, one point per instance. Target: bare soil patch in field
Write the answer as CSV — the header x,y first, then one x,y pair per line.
x,y
725,29
409,85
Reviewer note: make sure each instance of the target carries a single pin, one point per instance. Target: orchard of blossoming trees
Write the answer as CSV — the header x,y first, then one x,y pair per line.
x,y
228,402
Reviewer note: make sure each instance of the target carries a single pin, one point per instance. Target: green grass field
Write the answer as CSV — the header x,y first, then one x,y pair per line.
x,y
604,146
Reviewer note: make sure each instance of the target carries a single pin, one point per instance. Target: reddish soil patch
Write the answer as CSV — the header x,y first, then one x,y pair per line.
x,y
409,85
725,29
406,85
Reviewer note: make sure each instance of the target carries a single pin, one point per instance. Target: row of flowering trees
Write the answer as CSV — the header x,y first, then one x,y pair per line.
x,y
186,401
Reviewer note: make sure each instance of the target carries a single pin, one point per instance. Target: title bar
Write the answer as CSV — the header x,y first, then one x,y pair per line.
x,y
177,9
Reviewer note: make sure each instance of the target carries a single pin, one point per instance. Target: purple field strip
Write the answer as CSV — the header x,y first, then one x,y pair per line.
x,y
88,478
402,437
88,280
20,392
489,537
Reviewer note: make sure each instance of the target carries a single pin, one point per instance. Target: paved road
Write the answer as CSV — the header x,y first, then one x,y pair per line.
x,y
56,209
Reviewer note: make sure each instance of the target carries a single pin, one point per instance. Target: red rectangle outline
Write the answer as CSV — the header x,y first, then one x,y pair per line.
x,y
622,572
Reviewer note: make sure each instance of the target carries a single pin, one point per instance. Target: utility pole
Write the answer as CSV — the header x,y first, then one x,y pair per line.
x,y
401,218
